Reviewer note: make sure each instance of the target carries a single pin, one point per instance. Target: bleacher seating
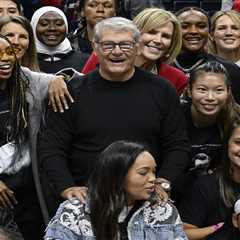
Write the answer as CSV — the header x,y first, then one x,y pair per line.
x,y
209,5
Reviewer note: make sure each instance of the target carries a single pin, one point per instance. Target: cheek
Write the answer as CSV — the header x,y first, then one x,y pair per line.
x,y
25,44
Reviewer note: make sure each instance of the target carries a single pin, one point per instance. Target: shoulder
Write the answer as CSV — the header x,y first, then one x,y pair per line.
x,y
161,214
152,80
230,66
72,215
78,55
167,70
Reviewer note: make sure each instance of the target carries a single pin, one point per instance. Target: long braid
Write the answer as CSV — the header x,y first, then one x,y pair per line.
x,y
18,119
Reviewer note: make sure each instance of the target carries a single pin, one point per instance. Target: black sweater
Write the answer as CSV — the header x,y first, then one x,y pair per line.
x,y
145,109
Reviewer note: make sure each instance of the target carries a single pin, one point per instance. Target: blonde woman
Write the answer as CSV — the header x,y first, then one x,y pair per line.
x,y
224,39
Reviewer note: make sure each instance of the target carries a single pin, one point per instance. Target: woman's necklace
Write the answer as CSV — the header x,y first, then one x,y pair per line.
x,y
188,70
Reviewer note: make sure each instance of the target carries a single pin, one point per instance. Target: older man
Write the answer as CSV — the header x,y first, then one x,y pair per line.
x,y
118,101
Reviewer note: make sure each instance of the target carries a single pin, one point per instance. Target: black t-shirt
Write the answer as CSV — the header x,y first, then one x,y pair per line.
x,y
202,205
206,144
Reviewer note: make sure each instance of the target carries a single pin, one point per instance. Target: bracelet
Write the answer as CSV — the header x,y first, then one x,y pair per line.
x,y
65,76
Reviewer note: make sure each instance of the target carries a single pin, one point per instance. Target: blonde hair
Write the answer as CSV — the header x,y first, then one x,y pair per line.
x,y
152,18
233,15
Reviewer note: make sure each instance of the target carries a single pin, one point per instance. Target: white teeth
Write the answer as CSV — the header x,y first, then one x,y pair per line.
x,y
5,66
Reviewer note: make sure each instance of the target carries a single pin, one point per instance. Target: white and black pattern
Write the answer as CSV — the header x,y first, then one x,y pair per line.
x,y
156,215
74,218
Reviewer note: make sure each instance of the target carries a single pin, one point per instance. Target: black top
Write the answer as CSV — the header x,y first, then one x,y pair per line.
x,y
55,63
145,109
187,60
206,144
203,206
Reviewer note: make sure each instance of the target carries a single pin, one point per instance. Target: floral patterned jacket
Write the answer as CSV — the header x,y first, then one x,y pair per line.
x,y
72,222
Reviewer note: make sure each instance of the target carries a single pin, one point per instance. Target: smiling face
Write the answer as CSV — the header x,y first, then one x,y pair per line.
x,y
96,10
234,149
140,179
194,26
51,29
18,36
116,64
209,94
226,34
8,8
7,60
156,43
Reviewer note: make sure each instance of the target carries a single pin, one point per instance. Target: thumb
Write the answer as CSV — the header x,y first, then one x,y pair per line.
x,y
218,226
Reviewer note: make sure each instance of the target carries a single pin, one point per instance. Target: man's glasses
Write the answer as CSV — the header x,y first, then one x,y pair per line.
x,y
108,46
10,51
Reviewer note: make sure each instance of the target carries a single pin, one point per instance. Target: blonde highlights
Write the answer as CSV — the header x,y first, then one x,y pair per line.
x,y
233,15
152,18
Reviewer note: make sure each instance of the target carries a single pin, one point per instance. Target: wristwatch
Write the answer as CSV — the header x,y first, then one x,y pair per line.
x,y
166,186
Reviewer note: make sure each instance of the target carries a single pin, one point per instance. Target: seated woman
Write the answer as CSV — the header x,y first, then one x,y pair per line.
x,y
54,50
224,39
207,207
121,201
209,111
161,42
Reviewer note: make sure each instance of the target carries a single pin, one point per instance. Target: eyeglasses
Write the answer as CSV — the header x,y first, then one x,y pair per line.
x,y
108,46
10,51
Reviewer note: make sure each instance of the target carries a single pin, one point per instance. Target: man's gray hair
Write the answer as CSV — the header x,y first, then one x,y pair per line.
x,y
117,24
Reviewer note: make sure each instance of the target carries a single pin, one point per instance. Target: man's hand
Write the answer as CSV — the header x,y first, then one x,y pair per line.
x,y
7,198
78,192
58,94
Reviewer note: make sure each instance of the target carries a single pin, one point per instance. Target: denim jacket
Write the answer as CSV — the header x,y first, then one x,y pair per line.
x,y
72,222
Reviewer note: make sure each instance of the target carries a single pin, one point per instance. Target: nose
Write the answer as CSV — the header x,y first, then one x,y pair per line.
x,y
100,8
152,178
229,31
210,95
51,26
158,38
117,50
193,29
15,40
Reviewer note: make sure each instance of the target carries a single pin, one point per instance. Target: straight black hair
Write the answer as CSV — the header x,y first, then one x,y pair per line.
x,y
106,187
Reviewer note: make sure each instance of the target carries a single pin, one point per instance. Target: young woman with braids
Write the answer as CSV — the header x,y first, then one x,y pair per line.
x,y
20,114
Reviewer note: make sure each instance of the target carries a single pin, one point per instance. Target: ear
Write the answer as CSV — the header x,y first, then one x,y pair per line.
x,y
234,220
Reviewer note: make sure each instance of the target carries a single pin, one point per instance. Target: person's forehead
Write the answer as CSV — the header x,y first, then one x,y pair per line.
x,y
51,15
7,4
100,1
116,35
224,19
193,15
